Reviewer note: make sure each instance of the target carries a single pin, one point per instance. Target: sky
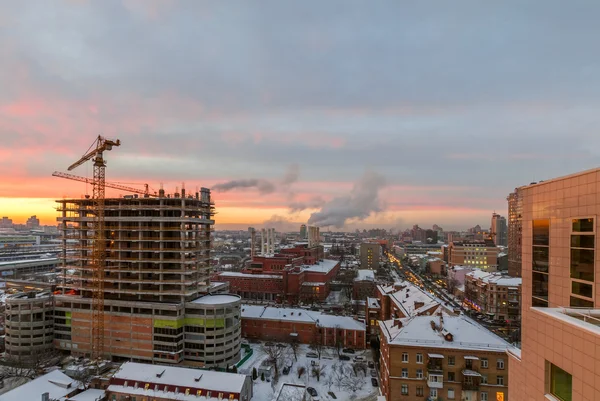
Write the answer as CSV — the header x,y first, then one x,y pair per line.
x,y
344,114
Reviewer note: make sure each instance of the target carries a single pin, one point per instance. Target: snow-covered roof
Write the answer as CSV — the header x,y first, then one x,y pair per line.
x,y
406,298
89,395
219,299
247,275
153,394
181,377
300,315
466,334
373,302
495,278
365,275
56,383
324,266
290,392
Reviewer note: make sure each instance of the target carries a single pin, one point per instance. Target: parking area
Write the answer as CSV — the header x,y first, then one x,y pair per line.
x,y
327,373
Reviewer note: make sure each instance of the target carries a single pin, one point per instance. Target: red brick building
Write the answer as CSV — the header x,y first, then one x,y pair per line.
x,y
284,324
297,273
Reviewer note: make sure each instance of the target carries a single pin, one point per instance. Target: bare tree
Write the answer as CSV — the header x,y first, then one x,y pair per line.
x,y
338,339
352,382
338,374
318,371
317,341
360,367
294,345
276,357
452,285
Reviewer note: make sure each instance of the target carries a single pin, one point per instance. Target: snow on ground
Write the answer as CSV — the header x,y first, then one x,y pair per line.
x,y
266,391
336,298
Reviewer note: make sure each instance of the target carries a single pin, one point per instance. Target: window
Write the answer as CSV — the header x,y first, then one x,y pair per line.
x,y
451,361
582,262
450,393
419,358
500,364
404,389
500,380
559,383
405,357
484,396
484,379
419,373
484,363
540,262
433,393
451,376
419,391
405,373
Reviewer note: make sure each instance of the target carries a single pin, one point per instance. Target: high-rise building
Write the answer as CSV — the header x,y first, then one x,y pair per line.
x,y
303,232
6,223
369,255
515,227
560,353
33,222
498,230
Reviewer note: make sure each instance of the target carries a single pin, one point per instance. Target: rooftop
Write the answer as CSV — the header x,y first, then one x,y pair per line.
x,y
468,335
89,395
290,392
582,318
56,383
365,275
216,299
248,275
324,266
300,315
180,377
496,278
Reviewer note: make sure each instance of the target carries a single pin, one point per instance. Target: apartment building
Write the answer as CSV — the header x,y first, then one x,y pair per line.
x,y
493,294
560,354
370,254
442,357
479,254
498,230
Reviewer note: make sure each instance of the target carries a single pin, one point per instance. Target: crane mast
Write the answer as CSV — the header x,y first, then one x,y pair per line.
x,y
98,259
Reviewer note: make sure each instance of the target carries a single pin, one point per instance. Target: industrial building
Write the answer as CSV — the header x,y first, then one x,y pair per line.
x,y
296,273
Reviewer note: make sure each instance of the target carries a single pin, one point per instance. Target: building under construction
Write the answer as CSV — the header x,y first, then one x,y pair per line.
x,y
159,303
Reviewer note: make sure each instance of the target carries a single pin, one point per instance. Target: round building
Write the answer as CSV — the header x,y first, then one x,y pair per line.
x,y
29,325
213,330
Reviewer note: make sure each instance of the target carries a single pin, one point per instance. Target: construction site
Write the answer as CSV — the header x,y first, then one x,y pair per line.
x,y
135,282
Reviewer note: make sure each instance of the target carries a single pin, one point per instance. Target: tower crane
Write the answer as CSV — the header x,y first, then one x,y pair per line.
x,y
145,192
98,259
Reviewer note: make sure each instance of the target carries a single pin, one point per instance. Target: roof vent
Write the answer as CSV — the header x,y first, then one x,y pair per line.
x,y
159,375
197,379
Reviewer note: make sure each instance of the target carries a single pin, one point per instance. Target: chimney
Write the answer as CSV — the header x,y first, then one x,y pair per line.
x,y
252,232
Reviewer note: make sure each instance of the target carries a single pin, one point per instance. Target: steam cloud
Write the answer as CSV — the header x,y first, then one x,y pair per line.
x,y
359,204
263,186
314,203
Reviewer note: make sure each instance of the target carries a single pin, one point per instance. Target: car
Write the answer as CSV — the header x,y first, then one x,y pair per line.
x,y
280,345
312,355
359,358
374,382
269,344
286,370
344,357
371,364
373,373
313,393
348,351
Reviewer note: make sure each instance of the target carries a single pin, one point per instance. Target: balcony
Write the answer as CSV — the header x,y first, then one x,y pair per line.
x,y
471,380
434,365
435,381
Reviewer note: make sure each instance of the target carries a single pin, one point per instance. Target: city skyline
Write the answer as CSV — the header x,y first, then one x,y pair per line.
x,y
300,110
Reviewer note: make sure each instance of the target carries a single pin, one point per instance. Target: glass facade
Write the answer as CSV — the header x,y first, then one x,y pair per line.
x,y
540,262
582,262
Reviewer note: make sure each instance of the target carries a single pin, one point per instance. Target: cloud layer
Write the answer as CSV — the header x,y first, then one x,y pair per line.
x,y
455,104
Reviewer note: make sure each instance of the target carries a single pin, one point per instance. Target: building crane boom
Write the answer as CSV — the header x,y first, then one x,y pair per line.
x,y
98,259
145,191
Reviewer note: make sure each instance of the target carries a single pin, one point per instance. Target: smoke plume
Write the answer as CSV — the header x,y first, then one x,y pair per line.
x,y
314,203
358,204
263,186
291,175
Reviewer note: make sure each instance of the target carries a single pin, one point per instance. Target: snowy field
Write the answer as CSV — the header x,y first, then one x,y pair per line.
x,y
344,380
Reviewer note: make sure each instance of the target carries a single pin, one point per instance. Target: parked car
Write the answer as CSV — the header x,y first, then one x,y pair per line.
x,y
344,357
374,382
269,344
313,393
312,355
348,351
371,364
373,373
359,358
